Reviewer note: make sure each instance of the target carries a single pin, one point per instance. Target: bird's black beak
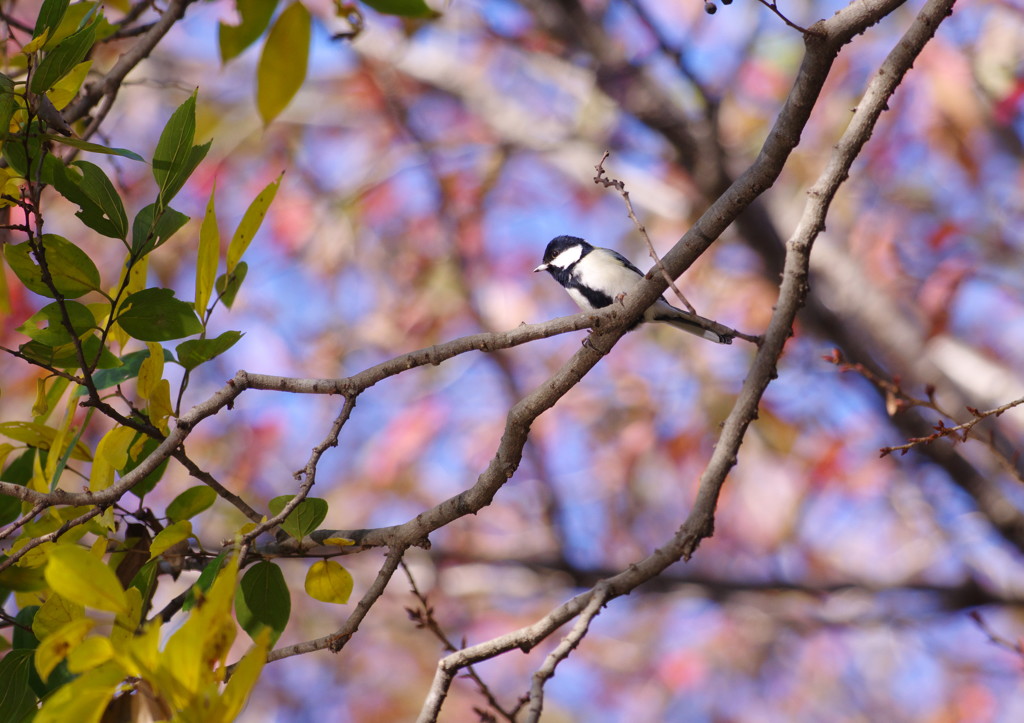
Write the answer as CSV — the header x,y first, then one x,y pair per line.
x,y
542,267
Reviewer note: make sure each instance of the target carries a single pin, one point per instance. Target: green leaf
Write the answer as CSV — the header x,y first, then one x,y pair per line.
x,y
305,518
329,582
251,222
100,206
153,227
147,483
175,157
14,152
190,503
155,315
54,334
194,352
59,61
93,147
263,600
78,575
7,102
228,284
69,184
403,8
255,15
206,578
65,356
99,188
50,15
282,66
127,369
16,697
77,14
72,271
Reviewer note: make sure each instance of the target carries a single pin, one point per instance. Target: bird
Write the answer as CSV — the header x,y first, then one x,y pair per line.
x,y
595,277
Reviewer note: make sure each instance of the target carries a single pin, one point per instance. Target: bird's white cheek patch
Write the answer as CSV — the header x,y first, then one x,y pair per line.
x,y
568,257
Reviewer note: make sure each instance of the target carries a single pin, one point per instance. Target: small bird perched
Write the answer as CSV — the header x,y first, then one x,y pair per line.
x,y
595,277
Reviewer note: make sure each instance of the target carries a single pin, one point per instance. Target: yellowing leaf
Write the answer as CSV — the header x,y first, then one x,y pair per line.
x,y
282,67
65,435
54,614
56,646
209,252
329,582
111,455
41,436
77,574
41,406
169,537
186,666
250,223
90,654
65,89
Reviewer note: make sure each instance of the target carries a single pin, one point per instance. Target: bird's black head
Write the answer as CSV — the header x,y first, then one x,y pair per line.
x,y
573,247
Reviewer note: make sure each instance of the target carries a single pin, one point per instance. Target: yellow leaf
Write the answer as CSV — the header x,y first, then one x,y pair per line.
x,y
169,537
36,43
329,582
84,699
141,653
244,678
65,89
339,541
111,455
151,371
248,527
91,653
54,614
154,388
209,252
160,406
77,574
282,66
125,624
56,646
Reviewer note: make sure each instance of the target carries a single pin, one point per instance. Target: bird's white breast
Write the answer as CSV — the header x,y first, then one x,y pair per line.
x,y
602,271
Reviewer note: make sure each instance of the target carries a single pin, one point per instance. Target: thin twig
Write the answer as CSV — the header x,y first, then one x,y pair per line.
x,y
770,4
609,182
424,618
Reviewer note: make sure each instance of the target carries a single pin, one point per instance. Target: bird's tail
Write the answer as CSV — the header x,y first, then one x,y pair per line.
x,y
698,325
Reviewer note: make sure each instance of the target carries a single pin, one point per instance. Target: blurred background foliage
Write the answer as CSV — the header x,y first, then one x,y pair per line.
x,y
428,162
